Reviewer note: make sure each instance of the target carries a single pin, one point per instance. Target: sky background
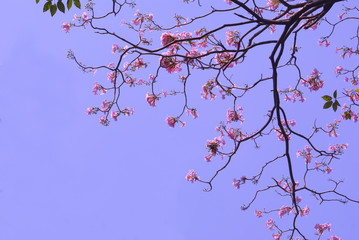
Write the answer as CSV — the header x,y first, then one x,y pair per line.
x,y
65,176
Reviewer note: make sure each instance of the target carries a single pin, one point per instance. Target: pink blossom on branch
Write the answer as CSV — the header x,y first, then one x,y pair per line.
x,y
192,176
66,27
150,98
171,121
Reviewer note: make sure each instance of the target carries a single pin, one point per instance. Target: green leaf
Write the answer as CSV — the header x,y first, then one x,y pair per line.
x,y
61,6
347,116
357,90
47,6
69,4
77,3
53,9
327,98
327,105
336,103
335,107
37,1
335,94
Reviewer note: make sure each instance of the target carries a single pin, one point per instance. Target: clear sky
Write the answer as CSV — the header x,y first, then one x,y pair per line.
x,y
65,176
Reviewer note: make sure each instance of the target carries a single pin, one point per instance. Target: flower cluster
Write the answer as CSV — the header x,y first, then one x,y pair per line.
x,y
313,82
284,210
192,176
232,37
212,146
338,148
235,115
306,153
322,227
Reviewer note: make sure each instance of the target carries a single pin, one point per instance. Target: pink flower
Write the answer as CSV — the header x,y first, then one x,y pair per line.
x,y
272,4
284,210
233,116
236,183
290,123
102,120
104,105
269,224
338,69
114,48
225,59
89,111
111,76
313,82
193,112
114,115
66,27
171,121
192,176
258,213
298,199
334,237
232,37
321,227
276,236
304,211
138,63
150,98
85,17
272,28
96,88
167,38
228,1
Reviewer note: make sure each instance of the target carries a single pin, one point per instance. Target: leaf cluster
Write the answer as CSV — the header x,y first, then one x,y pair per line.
x,y
49,5
331,101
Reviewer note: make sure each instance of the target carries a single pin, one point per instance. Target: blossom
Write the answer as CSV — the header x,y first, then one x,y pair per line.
x,y
276,236
89,111
236,183
232,37
213,145
114,48
207,89
193,112
138,63
105,105
258,213
192,176
321,227
102,120
171,121
150,98
114,115
304,211
323,42
233,116
284,210
290,123
338,69
66,27
171,64
313,82
272,4
96,88
168,37
111,76
272,28
270,224
85,17
228,1
334,237
298,199
306,153
225,59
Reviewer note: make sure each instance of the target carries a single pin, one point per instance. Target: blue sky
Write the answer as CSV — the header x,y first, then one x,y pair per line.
x,y
65,176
